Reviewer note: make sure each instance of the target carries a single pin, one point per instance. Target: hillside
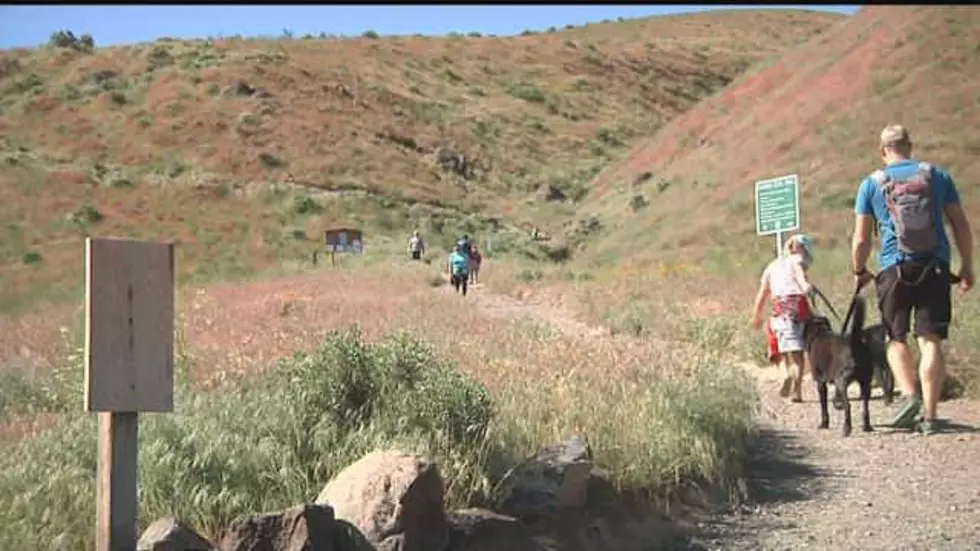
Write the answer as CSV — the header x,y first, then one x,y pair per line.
x,y
816,112
205,141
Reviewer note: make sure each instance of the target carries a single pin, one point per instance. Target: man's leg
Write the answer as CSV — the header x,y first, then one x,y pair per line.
x,y
932,371
933,313
896,309
464,279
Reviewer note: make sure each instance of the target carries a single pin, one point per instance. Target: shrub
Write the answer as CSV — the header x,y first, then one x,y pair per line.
x,y
370,34
527,92
304,204
67,39
260,446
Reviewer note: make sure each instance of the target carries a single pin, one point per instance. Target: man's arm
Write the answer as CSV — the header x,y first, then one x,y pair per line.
x,y
962,233
861,242
863,223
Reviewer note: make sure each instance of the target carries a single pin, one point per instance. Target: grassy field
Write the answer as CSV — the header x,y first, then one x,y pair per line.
x,y
424,370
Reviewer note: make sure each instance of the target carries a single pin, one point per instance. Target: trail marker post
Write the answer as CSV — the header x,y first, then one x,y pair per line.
x,y
129,367
777,207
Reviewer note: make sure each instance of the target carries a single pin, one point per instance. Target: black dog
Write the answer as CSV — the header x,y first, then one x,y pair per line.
x,y
841,360
875,337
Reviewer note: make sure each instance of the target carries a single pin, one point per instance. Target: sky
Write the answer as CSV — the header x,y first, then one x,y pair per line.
x,y
27,26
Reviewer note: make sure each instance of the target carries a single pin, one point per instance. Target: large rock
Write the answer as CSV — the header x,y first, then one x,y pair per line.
x,y
394,498
556,478
167,534
300,528
482,530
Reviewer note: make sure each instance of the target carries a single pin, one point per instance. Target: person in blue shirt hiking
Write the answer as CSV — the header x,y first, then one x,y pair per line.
x,y
459,269
908,200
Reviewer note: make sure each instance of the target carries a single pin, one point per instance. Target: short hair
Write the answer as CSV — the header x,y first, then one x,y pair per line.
x,y
895,135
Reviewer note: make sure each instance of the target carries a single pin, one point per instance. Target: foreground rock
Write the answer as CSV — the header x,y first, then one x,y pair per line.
x,y
169,534
557,477
482,530
301,528
394,498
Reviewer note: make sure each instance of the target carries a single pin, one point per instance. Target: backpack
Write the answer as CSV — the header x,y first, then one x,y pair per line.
x,y
464,247
910,203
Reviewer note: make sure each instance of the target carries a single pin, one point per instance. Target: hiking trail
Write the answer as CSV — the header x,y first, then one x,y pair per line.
x,y
809,488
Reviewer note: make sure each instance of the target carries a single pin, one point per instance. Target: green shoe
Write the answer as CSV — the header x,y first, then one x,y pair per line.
x,y
907,413
927,427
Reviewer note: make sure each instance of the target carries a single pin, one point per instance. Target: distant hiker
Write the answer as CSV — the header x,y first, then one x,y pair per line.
x,y
909,199
475,260
458,268
416,247
785,281
464,245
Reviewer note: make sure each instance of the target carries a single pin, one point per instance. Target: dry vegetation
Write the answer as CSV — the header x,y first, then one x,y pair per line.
x,y
243,150
815,112
195,141
659,417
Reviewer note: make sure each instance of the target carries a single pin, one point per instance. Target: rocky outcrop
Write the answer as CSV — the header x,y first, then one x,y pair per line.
x,y
394,498
301,528
557,477
168,534
393,501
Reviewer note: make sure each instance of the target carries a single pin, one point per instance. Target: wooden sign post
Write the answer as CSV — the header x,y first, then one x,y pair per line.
x,y
129,367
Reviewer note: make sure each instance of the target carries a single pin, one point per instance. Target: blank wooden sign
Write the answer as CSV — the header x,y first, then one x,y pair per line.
x,y
129,326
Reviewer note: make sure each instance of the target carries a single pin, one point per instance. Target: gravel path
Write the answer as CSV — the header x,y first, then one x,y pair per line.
x,y
888,490
813,489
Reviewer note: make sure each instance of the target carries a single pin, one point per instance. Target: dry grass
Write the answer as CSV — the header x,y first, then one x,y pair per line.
x,y
660,417
156,138
815,112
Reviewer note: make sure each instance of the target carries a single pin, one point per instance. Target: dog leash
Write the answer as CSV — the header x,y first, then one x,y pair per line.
x,y
820,294
953,280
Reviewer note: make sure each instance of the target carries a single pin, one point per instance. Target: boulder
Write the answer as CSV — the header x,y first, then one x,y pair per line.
x,y
168,534
482,530
394,498
300,528
557,477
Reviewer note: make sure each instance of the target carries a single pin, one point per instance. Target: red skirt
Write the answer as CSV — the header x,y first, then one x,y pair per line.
x,y
794,307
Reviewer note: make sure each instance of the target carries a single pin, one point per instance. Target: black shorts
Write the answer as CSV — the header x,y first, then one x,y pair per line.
x,y
416,255
459,281
911,289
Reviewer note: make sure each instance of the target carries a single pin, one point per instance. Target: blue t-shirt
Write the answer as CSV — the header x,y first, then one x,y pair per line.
x,y
871,200
459,263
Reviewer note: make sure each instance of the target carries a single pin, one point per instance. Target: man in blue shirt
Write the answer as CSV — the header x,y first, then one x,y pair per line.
x,y
908,200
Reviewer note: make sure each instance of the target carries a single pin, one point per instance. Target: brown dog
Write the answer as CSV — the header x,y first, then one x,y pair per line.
x,y
840,360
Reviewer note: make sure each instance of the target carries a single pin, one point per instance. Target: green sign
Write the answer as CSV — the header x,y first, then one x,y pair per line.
x,y
777,205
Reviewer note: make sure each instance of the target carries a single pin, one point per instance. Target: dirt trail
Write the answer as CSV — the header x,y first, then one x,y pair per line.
x,y
814,489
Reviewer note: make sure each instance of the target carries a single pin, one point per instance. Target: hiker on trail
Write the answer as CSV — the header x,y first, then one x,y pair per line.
x,y
475,260
416,247
458,267
785,280
464,245
909,199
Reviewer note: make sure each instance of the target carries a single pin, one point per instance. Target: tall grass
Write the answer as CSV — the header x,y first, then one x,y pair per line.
x,y
477,392
258,445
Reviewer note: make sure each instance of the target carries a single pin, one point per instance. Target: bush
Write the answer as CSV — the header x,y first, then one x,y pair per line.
x,y
527,92
67,39
260,446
